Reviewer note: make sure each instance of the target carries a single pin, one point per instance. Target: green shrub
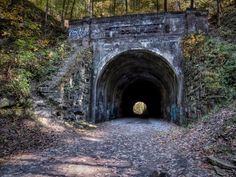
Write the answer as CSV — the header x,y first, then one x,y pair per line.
x,y
213,61
19,86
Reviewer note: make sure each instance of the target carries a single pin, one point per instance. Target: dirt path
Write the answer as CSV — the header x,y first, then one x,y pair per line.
x,y
123,147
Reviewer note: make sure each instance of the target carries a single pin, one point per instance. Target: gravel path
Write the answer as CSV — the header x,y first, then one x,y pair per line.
x,y
122,147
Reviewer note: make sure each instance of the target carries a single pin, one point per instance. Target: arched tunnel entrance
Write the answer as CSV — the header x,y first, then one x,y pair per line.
x,y
136,76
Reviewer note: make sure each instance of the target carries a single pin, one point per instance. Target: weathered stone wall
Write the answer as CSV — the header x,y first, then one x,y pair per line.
x,y
77,88
69,89
85,84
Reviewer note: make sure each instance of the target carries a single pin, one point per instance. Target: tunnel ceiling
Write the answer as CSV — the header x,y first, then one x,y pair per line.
x,y
135,76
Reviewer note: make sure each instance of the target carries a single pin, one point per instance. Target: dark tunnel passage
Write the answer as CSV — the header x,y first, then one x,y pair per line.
x,y
131,77
142,91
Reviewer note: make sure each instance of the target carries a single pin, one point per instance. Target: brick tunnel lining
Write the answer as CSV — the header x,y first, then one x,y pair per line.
x,y
135,76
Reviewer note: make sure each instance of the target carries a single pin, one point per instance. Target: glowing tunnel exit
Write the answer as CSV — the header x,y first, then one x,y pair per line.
x,y
140,108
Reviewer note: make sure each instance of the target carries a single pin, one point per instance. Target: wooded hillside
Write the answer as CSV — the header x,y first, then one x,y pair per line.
x,y
33,45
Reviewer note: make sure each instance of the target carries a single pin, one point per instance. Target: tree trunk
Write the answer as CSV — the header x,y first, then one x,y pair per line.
x,y
218,3
46,13
63,13
192,4
157,5
126,7
177,5
67,8
91,9
165,5
72,10
114,7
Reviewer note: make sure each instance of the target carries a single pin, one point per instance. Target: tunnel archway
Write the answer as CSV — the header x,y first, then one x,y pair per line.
x,y
132,76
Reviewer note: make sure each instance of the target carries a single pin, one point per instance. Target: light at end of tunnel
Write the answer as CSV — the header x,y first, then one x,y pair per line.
x,y
140,108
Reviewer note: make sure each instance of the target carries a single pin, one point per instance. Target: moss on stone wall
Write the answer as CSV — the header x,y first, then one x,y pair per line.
x,y
74,87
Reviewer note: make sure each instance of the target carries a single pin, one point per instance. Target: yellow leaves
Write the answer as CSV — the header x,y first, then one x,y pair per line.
x,y
162,142
34,49
6,34
195,39
3,3
191,42
15,19
24,33
42,43
50,55
13,14
34,26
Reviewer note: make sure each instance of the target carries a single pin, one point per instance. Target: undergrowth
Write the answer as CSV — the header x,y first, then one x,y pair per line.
x,y
214,60
30,51
210,67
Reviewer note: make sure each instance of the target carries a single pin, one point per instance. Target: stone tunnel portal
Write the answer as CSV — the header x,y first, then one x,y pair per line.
x,y
135,76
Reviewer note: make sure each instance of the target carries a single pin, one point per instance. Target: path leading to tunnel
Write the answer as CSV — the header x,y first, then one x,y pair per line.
x,y
122,147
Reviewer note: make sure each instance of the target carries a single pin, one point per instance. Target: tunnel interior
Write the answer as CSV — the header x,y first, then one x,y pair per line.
x,y
141,91
131,77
